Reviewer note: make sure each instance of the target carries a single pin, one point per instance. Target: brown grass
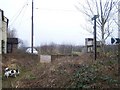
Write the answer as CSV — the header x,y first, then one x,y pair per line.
x,y
58,74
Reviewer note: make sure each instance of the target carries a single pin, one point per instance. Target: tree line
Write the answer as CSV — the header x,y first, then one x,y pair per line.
x,y
65,49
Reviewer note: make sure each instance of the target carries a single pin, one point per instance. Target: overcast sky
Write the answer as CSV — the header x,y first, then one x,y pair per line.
x,y
55,21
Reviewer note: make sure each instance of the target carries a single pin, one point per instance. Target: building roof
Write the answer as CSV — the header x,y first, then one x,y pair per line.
x,y
5,19
2,12
12,40
89,39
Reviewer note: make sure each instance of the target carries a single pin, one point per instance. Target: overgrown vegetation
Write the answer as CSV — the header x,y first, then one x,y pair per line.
x,y
66,72
100,74
65,49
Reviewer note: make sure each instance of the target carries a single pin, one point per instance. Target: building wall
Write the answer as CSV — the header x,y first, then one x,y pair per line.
x,y
3,32
4,36
0,31
89,43
15,46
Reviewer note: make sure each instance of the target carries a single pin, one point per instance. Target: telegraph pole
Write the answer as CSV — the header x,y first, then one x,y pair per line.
x,y
119,37
32,28
119,20
95,45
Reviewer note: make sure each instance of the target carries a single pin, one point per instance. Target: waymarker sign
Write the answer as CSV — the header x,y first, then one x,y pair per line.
x,y
115,40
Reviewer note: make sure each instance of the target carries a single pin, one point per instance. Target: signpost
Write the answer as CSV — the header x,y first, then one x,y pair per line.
x,y
95,45
32,28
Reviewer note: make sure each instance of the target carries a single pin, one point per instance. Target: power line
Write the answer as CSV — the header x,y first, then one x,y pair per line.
x,y
19,22
18,13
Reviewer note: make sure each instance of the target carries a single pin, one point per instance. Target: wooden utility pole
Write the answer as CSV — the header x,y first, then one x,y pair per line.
x,y
119,19
119,37
95,44
32,29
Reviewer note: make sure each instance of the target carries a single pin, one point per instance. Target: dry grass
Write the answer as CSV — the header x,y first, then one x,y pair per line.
x,y
61,73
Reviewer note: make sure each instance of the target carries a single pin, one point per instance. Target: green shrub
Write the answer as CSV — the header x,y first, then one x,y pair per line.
x,y
89,75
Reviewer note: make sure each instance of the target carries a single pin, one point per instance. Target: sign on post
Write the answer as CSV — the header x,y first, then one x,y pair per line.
x,y
115,40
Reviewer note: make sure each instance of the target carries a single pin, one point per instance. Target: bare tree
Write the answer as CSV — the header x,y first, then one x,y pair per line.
x,y
106,9
22,44
44,49
65,49
11,33
53,48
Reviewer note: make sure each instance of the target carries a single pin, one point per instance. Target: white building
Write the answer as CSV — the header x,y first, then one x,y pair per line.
x,y
89,43
3,32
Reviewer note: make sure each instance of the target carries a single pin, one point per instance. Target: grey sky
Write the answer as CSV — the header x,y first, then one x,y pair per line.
x,y
54,21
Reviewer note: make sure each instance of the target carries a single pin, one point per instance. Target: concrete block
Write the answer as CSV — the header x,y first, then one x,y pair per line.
x,y
45,58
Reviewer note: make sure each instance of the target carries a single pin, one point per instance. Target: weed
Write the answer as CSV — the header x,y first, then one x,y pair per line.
x,y
87,75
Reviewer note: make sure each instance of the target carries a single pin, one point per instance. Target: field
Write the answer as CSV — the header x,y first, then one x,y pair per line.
x,y
65,72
